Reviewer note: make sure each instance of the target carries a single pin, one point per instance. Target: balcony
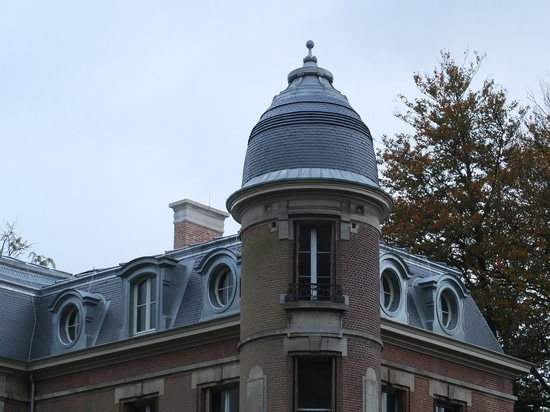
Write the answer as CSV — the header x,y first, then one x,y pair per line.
x,y
300,292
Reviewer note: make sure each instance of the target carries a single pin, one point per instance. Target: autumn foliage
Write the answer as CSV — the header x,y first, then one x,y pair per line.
x,y
471,184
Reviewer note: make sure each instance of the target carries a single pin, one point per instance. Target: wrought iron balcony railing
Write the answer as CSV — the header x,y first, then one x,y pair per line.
x,y
314,291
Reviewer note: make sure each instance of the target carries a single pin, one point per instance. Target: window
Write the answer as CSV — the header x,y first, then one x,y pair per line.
x,y
70,324
315,259
392,400
221,286
314,384
225,400
148,405
447,408
390,293
448,310
144,305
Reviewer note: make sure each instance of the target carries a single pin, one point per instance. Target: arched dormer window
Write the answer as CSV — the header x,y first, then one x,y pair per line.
x,y
393,288
144,304
77,319
440,300
220,279
153,289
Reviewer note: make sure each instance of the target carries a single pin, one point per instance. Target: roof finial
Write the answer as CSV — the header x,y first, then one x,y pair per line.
x,y
310,57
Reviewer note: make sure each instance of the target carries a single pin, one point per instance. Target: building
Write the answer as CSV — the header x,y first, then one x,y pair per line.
x,y
305,310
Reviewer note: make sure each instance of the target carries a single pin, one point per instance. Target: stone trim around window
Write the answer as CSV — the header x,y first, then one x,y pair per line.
x,y
163,297
220,272
77,317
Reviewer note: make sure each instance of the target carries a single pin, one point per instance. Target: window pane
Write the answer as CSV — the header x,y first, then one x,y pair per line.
x,y
304,237
142,292
324,238
141,317
225,400
314,384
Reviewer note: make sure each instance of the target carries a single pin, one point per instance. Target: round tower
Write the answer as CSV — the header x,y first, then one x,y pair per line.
x,y
310,209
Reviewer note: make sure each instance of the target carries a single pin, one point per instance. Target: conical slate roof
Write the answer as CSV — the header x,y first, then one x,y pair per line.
x,y
310,131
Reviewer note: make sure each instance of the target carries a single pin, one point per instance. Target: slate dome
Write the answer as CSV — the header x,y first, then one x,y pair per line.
x,y
310,131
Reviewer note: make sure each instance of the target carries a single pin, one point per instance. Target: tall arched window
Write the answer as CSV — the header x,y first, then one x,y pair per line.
x,y
144,295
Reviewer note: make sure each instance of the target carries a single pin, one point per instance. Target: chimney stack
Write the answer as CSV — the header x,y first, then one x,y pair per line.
x,y
196,223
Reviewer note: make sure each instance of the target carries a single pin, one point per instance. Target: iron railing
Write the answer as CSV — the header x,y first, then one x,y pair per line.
x,y
314,292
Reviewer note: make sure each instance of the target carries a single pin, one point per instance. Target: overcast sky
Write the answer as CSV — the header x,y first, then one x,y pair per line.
x,y
111,110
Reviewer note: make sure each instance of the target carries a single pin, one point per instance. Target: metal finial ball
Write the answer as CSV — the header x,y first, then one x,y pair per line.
x,y
310,44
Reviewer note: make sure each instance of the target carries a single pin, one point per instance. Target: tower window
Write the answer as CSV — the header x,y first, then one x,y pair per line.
x,y
315,245
144,305
314,384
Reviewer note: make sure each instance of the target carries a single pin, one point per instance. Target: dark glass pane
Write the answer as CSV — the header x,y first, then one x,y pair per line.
x,y
304,266
324,238
323,268
153,285
225,400
304,236
142,292
315,383
153,317
141,318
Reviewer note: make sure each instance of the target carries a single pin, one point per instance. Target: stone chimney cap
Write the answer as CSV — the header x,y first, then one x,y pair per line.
x,y
190,211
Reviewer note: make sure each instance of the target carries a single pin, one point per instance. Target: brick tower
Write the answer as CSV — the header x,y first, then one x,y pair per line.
x,y
310,209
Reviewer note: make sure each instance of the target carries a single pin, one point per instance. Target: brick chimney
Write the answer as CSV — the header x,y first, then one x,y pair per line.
x,y
196,223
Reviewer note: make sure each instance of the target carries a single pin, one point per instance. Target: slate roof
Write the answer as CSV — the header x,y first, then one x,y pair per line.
x,y
29,331
310,131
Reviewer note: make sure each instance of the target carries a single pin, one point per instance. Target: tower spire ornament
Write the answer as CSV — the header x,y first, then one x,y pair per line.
x,y
310,57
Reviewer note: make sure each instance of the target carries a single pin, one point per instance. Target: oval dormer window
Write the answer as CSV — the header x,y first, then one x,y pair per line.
x,y
69,324
222,286
390,295
448,310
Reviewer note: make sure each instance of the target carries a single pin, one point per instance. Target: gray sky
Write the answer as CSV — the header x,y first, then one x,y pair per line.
x,y
110,110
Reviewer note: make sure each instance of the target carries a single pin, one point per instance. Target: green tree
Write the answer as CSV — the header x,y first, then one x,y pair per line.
x,y
470,191
12,244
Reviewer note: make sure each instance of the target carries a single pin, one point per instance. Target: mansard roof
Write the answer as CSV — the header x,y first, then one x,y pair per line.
x,y
28,316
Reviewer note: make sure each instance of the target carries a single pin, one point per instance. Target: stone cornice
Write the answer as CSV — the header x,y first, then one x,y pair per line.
x,y
431,344
138,347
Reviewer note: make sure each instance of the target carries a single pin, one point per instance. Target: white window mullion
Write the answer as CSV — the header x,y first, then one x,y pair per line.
x,y
313,256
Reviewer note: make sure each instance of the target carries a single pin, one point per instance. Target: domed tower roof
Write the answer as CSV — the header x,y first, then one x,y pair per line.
x,y
310,140
310,131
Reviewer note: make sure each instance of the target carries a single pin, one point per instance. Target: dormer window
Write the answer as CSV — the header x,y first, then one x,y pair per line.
x,y
391,291
145,304
220,274
440,299
393,288
221,286
448,309
77,319
70,324
153,289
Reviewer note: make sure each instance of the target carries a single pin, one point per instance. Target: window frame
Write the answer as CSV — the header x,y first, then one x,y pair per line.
x,y
132,406
297,382
309,254
219,271
151,304
399,397
229,389
393,280
448,309
67,338
443,406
